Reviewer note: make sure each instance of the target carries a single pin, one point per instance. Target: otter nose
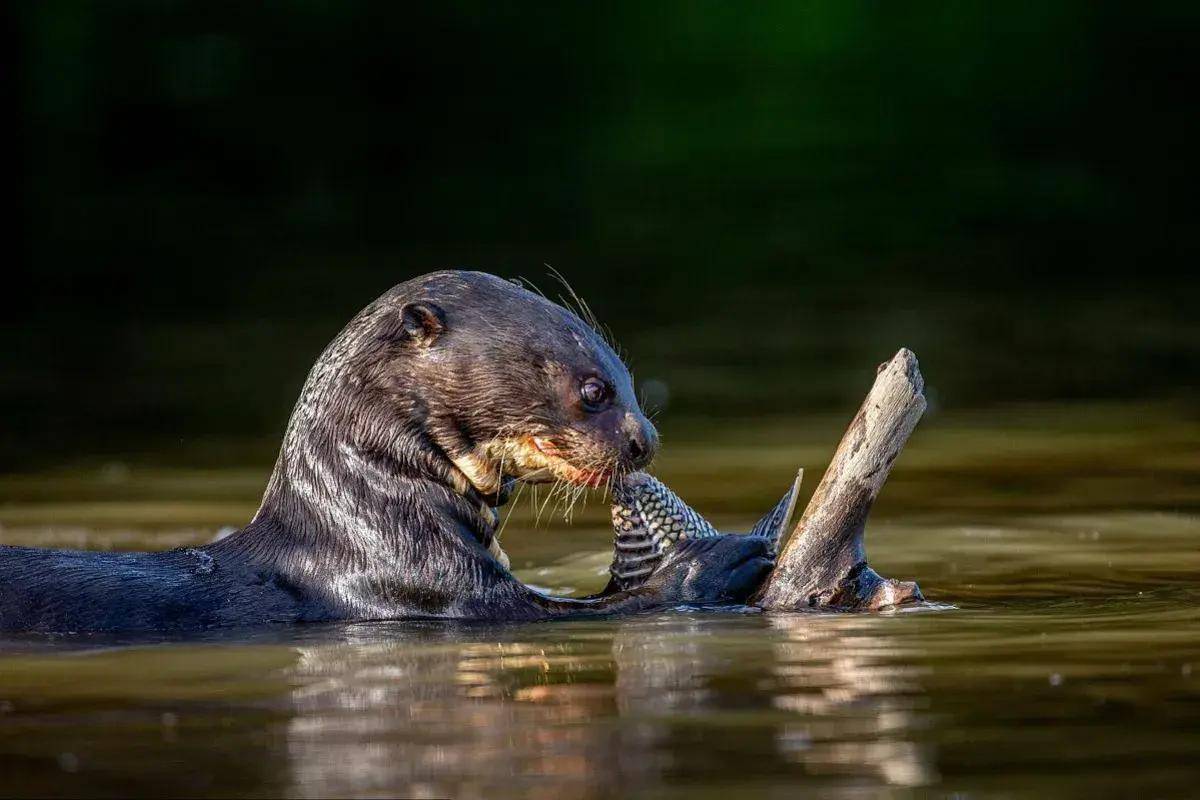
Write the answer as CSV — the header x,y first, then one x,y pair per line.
x,y
642,441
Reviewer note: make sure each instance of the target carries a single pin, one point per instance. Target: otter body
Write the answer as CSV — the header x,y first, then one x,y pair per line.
x,y
71,590
409,430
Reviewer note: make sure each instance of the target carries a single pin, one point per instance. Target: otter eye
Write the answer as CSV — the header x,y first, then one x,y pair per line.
x,y
594,392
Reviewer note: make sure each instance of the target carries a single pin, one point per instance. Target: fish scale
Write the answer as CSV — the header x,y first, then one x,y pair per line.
x,y
648,519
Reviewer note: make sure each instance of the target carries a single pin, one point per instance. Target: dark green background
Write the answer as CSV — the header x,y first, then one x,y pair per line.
x,y
762,200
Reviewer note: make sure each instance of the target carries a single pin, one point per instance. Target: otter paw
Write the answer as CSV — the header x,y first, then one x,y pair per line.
x,y
715,569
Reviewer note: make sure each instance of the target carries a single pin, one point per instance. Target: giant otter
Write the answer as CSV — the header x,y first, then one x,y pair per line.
x,y
408,431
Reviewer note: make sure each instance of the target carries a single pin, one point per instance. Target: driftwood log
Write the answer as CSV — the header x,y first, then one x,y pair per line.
x,y
824,565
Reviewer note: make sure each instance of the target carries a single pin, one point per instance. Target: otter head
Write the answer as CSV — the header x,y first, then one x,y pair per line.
x,y
497,380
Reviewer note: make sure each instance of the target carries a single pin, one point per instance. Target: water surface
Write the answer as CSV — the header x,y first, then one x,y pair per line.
x,y
1066,540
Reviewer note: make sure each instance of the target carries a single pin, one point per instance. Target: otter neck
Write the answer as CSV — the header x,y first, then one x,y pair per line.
x,y
336,491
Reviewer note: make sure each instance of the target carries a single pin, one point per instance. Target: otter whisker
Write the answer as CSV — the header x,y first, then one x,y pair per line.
x,y
580,500
614,470
508,516
526,283
567,501
584,311
580,308
550,496
500,470
541,506
564,500
580,493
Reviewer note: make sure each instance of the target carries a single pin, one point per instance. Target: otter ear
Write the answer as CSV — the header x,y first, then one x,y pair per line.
x,y
421,323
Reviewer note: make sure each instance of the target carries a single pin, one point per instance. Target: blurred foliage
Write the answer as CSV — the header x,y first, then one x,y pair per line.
x,y
762,201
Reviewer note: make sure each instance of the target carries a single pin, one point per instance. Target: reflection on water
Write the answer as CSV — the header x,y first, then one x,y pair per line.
x,y
1068,668
858,710
448,712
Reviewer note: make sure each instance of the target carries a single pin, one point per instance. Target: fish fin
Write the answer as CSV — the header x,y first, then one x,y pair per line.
x,y
775,522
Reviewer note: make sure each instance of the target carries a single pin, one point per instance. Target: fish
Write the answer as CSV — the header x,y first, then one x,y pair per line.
x,y
649,519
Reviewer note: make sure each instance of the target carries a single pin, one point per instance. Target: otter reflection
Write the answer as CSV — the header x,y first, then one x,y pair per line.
x,y
455,711
604,708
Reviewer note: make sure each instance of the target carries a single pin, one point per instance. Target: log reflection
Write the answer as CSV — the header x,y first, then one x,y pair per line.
x,y
856,708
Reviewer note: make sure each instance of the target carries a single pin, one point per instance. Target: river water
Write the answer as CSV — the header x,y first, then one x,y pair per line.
x,y
1061,544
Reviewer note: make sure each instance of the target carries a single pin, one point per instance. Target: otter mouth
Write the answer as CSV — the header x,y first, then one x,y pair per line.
x,y
530,459
559,467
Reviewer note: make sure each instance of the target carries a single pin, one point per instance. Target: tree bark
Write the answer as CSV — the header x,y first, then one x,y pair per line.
x,y
824,564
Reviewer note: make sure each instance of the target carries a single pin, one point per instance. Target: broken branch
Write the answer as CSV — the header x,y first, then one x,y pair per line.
x,y
824,564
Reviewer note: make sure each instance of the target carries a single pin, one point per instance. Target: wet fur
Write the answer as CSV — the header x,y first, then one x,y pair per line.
x,y
410,427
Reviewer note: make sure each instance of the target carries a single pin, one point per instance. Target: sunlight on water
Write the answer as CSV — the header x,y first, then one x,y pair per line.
x,y
1066,542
